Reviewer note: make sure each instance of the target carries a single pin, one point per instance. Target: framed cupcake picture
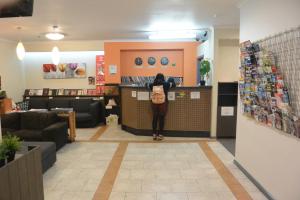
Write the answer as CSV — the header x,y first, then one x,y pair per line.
x,y
64,71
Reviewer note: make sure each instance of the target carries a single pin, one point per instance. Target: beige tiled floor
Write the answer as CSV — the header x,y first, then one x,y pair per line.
x,y
78,171
168,171
227,158
149,171
115,133
85,133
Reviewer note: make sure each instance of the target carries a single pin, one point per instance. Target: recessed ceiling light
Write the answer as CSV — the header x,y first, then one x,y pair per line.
x,y
55,35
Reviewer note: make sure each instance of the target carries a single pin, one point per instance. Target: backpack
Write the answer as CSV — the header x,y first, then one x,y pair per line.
x,y
158,95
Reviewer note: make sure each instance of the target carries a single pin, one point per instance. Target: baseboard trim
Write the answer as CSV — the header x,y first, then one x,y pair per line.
x,y
254,181
141,132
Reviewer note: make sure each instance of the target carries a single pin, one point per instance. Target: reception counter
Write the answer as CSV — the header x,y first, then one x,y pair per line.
x,y
189,111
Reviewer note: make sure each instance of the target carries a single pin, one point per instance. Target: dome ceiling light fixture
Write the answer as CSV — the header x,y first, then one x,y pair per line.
x,y
55,35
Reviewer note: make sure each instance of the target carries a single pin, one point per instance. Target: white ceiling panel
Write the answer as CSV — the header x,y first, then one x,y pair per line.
x,y
119,19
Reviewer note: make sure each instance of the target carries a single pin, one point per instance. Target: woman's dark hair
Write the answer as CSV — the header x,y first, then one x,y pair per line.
x,y
159,79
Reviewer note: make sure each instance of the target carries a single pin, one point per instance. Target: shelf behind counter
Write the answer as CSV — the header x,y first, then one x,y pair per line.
x,y
189,111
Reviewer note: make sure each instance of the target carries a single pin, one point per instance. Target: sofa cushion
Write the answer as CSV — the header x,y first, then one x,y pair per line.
x,y
37,120
81,117
38,103
29,135
24,105
81,105
59,103
11,121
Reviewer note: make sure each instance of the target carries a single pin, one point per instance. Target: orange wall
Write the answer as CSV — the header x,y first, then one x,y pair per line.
x,y
128,67
113,57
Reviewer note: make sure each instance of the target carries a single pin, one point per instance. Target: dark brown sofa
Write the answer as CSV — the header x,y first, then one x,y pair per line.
x,y
36,126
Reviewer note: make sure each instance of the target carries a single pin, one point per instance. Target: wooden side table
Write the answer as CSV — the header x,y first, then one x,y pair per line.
x,y
71,116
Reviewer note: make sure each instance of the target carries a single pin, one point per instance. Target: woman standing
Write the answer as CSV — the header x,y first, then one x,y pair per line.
x,y
159,103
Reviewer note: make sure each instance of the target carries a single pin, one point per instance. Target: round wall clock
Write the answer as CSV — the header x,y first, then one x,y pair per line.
x,y
164,61
138,61
151,60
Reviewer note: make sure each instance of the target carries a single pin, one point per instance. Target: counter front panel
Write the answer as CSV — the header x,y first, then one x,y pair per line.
x,y
188,115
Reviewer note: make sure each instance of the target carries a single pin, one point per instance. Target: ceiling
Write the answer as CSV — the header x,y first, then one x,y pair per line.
x,y
119,19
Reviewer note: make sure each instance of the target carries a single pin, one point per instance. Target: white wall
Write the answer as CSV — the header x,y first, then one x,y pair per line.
x,y
270,156
229,60
33,65
205,49
225,65
81,45
11,71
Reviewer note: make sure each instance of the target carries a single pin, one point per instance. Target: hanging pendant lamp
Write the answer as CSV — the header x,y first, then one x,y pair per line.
x,y
20,50
55,55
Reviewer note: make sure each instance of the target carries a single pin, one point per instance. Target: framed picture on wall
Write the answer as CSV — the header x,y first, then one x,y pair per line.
x,y
64,71
91,80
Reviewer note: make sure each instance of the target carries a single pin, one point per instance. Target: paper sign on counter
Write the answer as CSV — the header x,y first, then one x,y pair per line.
x,y
133,94
195,95
171,96
180,94
227,111
143,96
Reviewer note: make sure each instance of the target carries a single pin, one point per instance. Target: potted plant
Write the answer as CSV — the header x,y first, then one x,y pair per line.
x,y
3,155
11,144
204,70
2,94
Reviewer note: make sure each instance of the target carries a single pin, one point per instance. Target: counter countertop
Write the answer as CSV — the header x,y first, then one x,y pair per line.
x,y
178,87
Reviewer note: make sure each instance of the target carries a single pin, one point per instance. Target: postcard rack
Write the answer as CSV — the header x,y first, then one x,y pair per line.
x,y
269,83
286,48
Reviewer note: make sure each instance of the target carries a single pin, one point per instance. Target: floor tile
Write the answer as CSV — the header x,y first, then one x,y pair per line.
x,y
143,174
76,170
172,196
185,186
124,185
140,196
149,171
156,186
132,164
117,196
204,196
